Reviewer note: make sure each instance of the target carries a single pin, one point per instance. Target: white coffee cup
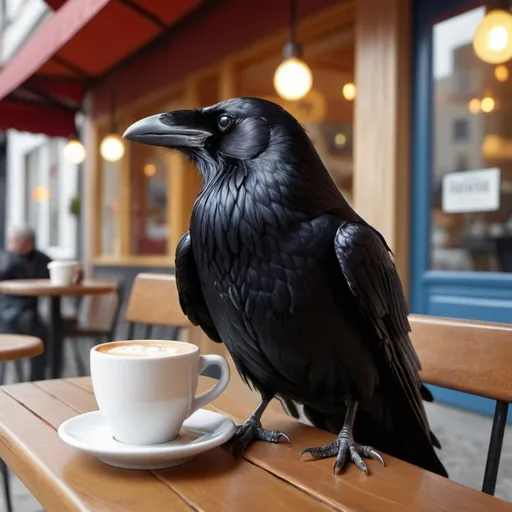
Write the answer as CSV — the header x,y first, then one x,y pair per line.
x,y
62,273
146,395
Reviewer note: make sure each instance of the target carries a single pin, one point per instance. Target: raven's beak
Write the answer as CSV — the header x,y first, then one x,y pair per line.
x,y
154,132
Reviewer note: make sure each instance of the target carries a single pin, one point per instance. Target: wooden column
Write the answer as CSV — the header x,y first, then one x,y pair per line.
x,y
382,126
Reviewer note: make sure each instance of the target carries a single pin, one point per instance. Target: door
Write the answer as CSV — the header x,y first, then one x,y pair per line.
x,y
462,175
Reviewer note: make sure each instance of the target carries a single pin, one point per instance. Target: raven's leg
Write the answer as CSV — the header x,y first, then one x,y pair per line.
x,y
345,447
252,430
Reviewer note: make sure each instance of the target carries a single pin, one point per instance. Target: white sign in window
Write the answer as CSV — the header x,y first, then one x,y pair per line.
x,y
472,191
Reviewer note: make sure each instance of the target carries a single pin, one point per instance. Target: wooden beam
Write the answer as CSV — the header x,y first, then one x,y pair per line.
x,y
382,127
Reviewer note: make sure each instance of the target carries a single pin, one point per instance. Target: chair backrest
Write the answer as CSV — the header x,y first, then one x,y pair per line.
x,y
474,357
154,301
465,355
99,312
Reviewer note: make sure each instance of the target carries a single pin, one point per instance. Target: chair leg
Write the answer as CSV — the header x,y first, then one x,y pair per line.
x,y
19,371
7,487
495,445
3,371
80,365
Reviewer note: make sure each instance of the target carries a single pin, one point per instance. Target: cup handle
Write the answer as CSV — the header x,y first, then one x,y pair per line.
x,y
218,389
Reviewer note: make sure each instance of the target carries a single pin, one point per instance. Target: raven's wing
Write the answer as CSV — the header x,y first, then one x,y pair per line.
x,y
372,278
189,289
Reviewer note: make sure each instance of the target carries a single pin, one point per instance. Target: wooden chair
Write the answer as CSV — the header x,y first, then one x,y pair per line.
x,y
14,348
473,357
154,302
96,320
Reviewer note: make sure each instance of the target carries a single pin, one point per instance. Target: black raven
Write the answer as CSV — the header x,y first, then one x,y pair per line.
x,y
300,288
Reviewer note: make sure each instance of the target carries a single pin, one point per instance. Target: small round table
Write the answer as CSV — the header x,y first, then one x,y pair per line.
x,y
44,288
14,347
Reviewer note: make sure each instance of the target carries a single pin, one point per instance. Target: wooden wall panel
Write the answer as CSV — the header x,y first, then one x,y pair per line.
x,y
382,126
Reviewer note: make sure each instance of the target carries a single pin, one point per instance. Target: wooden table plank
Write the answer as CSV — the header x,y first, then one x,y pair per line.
x,y
213,481
61,478
397,487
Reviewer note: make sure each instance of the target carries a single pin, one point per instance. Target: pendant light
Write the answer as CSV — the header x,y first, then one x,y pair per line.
x,y
112,145
492,41
74,151
293,78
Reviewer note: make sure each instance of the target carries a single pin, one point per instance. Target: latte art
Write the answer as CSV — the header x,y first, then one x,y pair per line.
x,y
145,349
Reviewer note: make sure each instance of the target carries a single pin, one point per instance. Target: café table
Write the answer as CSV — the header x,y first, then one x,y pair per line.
x,y
268,477
44,288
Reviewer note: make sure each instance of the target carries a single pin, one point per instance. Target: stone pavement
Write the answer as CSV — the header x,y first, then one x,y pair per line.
x,y
463,435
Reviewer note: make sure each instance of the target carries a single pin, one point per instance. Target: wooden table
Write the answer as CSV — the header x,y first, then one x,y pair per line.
x,y
44,288
14,347
269,477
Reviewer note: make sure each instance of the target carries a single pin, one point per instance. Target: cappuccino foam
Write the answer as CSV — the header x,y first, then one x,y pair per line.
x,y
145,349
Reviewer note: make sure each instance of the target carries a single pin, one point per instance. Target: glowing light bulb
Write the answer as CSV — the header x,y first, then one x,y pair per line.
x,y
474,106
293,79
149,170
349,91
501,73
112,147
340,139
492,41
487,104
74,151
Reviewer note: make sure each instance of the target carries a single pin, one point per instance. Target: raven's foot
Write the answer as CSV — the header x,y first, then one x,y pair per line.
x,y
251,431
345,448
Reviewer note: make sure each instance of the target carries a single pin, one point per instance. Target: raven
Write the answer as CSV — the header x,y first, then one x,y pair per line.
x,y
302,291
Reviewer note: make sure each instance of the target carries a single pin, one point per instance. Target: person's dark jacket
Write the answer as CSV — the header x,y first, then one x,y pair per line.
x,y
33,265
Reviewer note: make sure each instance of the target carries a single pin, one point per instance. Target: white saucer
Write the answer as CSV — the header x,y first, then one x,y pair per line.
x,y
203,431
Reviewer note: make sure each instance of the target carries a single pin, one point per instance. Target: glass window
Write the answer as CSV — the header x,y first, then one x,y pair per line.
x,y
110,173
34,192
148,204
471,204
327,112
53,153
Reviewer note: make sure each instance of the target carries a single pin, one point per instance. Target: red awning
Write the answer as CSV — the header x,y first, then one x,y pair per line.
x,y
42,86
55,4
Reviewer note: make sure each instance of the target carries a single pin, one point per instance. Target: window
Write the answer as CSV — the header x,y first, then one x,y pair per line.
x,y
461,130
34,192
54,179
110,208
149,224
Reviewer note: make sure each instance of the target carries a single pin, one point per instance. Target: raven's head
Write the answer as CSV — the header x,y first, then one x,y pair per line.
x,y
240,129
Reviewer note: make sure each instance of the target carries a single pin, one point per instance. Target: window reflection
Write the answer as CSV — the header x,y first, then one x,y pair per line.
x,y
472,130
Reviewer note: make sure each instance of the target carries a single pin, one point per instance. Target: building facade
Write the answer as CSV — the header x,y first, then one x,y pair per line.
x,y
38,183
413,127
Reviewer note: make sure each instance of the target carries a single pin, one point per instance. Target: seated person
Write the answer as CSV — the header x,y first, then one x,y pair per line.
x,y
19,315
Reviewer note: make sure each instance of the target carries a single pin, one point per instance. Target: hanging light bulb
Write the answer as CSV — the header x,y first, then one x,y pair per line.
x,y
474,106
487,104
293,78
74,151
349,91
501,73
492,41
112,145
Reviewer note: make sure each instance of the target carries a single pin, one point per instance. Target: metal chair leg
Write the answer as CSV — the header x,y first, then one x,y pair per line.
x,y
7,487
495,445
80,365
3,371
19,371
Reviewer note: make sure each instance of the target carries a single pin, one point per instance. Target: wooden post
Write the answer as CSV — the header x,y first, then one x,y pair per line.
x,y
382,126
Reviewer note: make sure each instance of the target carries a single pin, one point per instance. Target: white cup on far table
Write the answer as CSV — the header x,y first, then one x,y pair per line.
x,y
63,273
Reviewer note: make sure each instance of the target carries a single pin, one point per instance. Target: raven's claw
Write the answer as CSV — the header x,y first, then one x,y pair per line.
x,y
344,448
251,431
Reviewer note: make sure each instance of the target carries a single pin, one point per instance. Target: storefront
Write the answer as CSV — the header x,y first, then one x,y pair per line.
x,y
461,195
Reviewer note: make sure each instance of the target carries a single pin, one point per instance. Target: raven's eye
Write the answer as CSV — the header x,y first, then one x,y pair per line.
x,y
224,122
